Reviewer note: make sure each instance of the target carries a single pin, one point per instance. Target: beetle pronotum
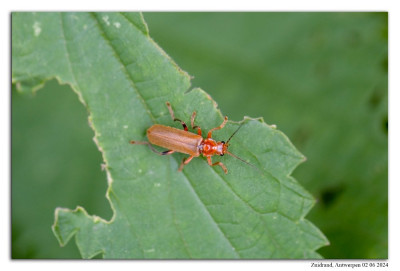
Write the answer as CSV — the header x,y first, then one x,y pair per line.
x,y
183,141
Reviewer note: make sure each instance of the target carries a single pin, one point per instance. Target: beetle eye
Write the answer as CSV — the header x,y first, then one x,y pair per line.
x,y
222,154
223,142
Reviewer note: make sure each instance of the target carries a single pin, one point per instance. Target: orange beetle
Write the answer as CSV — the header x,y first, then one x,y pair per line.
x,y
183,141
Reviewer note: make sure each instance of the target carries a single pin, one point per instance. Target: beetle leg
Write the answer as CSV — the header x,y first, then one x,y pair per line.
x,y
151,147
192,123
183,124
217,164
167,152
185,161
217,128
171,112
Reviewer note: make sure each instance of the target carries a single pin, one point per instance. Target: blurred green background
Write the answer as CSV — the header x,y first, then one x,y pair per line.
x,y
322,78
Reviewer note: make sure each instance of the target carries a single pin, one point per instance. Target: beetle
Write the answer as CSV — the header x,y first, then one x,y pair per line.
x,y
183,141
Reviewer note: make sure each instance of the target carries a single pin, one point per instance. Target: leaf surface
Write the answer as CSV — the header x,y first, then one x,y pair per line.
x,y
124,79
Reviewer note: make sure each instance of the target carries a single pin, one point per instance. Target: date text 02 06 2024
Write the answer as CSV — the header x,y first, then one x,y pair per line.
x,y
352,265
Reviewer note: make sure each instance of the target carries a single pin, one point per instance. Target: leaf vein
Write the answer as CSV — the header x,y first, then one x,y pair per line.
x,y
123,67
209,213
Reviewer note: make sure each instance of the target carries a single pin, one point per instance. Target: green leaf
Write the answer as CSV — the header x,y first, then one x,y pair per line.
x,y
124,79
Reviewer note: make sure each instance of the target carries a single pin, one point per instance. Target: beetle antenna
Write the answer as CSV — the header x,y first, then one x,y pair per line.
x,y
237,157
234,133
